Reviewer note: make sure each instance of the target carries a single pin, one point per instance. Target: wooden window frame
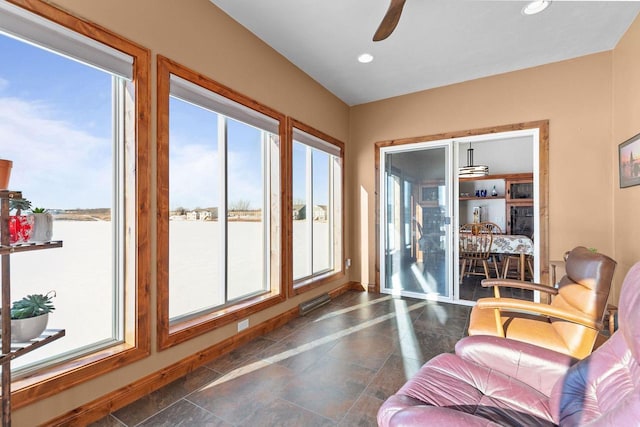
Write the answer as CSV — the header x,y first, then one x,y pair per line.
x,y
49,381
171,334
308,284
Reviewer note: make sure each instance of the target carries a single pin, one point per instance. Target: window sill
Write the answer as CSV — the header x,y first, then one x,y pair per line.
x,y
50,381
308,284
170,335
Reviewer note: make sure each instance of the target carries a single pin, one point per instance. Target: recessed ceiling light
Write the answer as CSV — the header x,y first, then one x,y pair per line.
x,y
536,6
365,58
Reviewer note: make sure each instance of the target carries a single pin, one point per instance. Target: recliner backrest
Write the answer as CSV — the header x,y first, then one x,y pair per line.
x,y
584,288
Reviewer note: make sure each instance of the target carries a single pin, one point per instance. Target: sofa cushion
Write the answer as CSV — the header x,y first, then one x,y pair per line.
x,y
535,366
450,382
604,389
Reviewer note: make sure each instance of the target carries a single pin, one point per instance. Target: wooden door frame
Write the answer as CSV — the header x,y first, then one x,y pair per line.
x,y
543,181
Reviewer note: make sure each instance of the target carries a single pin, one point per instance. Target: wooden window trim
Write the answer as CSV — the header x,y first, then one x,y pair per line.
x,y
50,381
168,334
314,282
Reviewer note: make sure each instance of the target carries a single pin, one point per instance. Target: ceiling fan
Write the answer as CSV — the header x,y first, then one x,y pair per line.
x,y
389,21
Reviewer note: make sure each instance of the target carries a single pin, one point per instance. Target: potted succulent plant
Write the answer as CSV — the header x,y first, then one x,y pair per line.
x,y
42,225
20,226
30,315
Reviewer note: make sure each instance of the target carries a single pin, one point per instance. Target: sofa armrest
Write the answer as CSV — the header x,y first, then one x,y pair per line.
x,y
536,366
512,283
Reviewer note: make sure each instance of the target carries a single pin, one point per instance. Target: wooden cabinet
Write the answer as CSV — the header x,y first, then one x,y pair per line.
x,y
511,209
520,205
519,190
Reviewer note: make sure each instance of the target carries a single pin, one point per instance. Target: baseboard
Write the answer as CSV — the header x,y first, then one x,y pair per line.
x,y
349,286
122,397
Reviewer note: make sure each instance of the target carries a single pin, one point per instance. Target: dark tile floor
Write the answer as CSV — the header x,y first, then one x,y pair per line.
x,y
333,367
471,290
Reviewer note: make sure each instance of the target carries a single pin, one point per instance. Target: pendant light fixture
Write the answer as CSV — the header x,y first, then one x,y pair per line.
x,y
471,170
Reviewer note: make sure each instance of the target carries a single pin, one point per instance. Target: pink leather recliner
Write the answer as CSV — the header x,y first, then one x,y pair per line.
x,y
493,381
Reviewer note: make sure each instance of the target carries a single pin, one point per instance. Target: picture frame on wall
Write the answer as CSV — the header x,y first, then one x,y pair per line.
x,y
629,162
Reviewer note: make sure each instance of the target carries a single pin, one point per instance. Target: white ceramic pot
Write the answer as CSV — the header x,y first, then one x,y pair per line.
x,y
23,330
42,227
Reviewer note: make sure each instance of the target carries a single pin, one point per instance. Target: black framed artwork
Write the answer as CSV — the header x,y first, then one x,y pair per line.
x,y
629,162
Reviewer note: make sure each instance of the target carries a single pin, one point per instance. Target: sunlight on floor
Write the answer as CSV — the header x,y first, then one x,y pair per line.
x,y
404,322
409,348
428,287
336,313
441,314
396,285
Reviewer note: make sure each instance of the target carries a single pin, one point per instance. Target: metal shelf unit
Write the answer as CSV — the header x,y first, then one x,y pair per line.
x,y
11,350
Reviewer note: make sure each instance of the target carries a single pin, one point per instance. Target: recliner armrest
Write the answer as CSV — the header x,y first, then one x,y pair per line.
x,y
522,306
513,283
536,366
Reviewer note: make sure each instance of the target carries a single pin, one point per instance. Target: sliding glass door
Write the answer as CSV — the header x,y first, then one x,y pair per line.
x,y
415,221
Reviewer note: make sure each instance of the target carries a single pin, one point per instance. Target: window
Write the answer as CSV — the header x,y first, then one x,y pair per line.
x,y
317,205
74,125
219,195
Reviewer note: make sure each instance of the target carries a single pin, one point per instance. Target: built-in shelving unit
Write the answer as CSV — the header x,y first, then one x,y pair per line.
x,y
464,198
514,199
12,350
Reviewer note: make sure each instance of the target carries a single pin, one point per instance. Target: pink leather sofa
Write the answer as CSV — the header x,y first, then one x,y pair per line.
x,y
493,381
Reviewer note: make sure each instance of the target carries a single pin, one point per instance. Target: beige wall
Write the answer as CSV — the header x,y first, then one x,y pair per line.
x,y
199,36
575,96
626,123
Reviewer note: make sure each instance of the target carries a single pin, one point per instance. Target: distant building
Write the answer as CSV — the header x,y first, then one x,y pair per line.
x,y
319,212
299,212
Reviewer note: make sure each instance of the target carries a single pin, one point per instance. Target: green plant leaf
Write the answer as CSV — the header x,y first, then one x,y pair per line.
x,y
19,204
32,306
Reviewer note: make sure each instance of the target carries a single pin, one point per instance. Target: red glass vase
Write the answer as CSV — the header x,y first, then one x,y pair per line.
x,y
20,228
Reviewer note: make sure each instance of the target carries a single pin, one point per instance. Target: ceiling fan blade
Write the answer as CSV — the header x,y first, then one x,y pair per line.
x,y
389,21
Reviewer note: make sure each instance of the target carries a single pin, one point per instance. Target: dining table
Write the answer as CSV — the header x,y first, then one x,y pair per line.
x,y
513,244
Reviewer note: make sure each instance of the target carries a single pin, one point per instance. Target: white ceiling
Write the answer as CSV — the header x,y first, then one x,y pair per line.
x,y
436,43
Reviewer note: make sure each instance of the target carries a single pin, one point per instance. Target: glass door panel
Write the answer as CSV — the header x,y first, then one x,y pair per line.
x,y
415,225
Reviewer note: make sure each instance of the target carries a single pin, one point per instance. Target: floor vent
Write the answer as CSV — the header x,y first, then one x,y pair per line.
x,y
312,304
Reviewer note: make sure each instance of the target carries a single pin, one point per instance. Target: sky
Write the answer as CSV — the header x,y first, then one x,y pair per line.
x,y
56,127
194,174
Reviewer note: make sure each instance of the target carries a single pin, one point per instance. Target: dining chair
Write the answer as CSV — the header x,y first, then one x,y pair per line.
x,y
475,247
520,271
510,260
495,258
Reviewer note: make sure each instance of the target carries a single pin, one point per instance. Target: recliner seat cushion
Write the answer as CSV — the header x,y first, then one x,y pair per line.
x,y
518,326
